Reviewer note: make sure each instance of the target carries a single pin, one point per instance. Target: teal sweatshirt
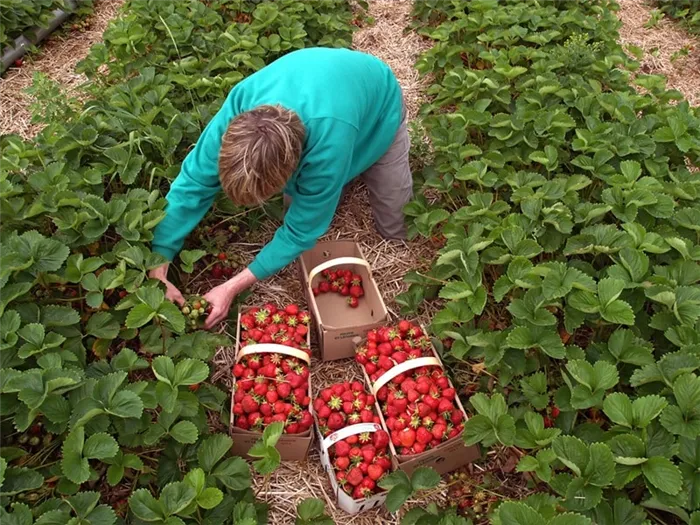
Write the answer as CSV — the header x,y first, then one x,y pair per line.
x,y
350,104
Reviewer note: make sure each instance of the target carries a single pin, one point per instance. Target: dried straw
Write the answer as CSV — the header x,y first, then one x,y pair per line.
x,y
57,57
390,261
659,43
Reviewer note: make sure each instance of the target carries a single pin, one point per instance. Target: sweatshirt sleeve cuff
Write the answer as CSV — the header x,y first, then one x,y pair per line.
x,y
168,253
258,270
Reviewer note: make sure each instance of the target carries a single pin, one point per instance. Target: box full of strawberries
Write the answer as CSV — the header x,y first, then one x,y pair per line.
x,y
342,296
416,401
272,380
354,446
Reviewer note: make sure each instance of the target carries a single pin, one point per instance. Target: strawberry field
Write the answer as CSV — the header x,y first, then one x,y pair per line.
x,y
557,188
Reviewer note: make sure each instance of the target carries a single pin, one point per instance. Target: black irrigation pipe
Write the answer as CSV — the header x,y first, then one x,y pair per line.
x,y
35,35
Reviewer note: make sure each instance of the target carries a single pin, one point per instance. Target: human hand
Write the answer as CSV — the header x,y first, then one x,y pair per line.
x,y
171,291
220,298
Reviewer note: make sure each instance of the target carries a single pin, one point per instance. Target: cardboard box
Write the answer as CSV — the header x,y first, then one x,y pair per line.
x,y
345,501
444,458
338,324
292,447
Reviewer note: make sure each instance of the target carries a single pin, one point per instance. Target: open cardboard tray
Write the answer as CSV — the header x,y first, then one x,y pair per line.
x,y
345,501
292,447
338,324
444,458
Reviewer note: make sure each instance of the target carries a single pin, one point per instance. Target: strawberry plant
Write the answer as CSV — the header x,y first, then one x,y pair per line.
x,y
17,17
108,408
686,11
195,311
568,271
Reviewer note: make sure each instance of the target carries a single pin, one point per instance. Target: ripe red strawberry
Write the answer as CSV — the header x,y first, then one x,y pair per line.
x,y
548,423
217,271
284,390
380,440
355,476
438,431
555,412
449,393
353,302
324,412
342,463
315,290
260,389
375,472
356,291
336,421
324,287
342,448
249,404
404,326
222,256
238,370
423,436
407,437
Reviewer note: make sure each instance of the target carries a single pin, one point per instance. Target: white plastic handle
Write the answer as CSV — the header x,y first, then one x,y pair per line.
x,y
337,262
404,367
352,430
273,348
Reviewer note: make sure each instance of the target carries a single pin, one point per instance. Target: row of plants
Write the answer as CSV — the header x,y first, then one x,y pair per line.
x,y
686,11
108,411
19,16
561,193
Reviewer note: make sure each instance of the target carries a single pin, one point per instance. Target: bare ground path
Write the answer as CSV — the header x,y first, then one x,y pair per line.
x,y
57,57
663,45
292,483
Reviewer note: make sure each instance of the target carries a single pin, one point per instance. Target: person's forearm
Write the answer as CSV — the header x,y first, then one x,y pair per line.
x,y
160,272
241,282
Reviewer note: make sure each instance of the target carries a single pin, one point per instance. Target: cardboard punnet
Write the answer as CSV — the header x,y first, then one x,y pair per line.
x,y
338,324
292,447
345,501
444,458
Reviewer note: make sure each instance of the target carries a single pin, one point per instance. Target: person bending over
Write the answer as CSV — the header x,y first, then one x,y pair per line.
x,y
305,125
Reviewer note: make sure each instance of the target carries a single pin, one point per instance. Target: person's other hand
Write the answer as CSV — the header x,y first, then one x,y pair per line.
x,y
220,298
171,291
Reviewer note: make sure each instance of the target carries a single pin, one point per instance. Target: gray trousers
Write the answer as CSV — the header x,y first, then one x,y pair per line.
x,y
390,185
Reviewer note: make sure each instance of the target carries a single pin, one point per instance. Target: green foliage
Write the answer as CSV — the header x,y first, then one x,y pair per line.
x,y
570,258
19,16
94,360
401,487
685,11
312,511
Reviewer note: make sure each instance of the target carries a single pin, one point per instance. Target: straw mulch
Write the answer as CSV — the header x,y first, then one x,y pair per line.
x,y
659,44
293,482
57,57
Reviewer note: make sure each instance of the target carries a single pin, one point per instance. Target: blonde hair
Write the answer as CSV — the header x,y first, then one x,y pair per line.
x,y
259,153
